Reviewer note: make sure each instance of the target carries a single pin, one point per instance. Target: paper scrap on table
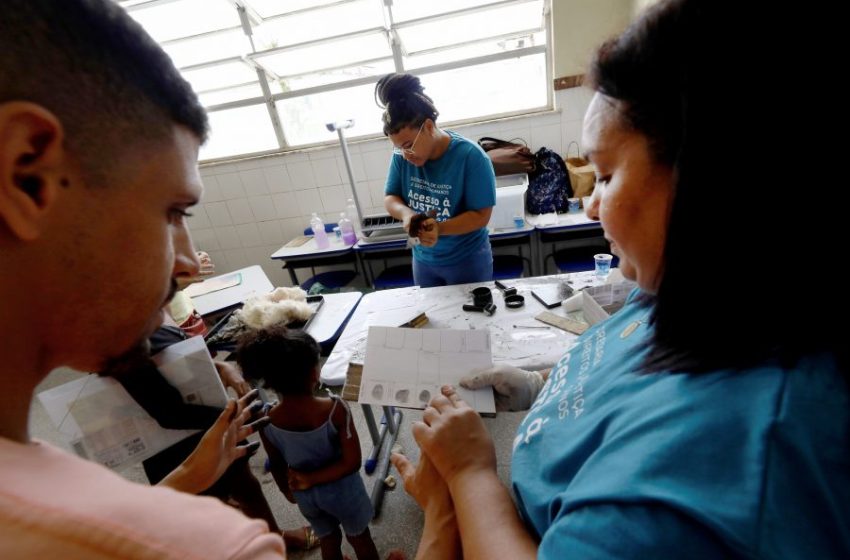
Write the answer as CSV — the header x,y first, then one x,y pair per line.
x,y
406,367
213,285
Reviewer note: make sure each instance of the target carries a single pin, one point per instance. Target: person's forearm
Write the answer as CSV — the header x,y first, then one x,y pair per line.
x,y
483,504
332,472
440,535
397,208
183,479
471,220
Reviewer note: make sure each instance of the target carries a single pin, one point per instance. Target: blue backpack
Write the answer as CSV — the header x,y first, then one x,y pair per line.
x,y
548,184
548,181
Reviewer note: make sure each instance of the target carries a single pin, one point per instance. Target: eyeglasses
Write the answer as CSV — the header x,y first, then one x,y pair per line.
x,y
409,151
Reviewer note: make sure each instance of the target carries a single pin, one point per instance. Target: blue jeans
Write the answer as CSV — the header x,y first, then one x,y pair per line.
x,y
477,267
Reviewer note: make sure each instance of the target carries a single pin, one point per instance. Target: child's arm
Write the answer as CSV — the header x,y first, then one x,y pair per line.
x,y
349,462
278,467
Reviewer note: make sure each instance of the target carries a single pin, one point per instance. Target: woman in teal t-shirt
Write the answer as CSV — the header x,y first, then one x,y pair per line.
x,y
710,416
442,174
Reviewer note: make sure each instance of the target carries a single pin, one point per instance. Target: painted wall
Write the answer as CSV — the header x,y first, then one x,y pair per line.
x,y
579,26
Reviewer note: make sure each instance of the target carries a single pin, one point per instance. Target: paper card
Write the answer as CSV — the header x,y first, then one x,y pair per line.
x,y
407,367
103,423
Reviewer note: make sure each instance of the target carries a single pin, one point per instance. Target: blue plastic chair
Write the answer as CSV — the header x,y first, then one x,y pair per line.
x,y
506,267
400,276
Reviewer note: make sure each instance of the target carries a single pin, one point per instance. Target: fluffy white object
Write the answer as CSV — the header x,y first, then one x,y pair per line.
x,y
282,306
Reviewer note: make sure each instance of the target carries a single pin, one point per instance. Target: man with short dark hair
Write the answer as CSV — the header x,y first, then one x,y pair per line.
x,y
99,140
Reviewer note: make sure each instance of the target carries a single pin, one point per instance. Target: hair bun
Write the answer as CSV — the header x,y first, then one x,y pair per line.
x,y
394,87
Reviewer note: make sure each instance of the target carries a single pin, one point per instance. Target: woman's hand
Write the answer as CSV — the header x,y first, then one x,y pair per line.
x,y
232,377
516,389
454,437
299,480
429,233
422,481
218,448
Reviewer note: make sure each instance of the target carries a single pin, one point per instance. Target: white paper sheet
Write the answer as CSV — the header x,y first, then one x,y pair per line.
x,y
407,367
101,421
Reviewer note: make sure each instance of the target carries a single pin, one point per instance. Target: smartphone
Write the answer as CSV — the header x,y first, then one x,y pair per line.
x,y
551,295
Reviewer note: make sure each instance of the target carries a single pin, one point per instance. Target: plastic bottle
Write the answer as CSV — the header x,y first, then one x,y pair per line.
x,y
351,212
319,233
347,229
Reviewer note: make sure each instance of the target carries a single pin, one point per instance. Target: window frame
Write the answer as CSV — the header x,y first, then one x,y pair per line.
x,y
249,16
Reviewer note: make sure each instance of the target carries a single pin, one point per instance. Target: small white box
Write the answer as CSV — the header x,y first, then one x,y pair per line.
x,y
510,201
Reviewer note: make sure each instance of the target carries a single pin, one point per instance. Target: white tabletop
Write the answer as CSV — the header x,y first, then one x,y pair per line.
x,y
332,314
520,345
254,282
552,220
309,249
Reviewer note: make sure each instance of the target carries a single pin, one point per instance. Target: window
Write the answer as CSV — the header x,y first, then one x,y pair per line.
x,y
271,73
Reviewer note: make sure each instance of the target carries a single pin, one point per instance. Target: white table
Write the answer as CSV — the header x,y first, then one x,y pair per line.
x,y
521,346
309,255
254,282
331,317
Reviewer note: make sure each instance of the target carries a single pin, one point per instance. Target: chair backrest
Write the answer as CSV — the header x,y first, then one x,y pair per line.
x,y
328,229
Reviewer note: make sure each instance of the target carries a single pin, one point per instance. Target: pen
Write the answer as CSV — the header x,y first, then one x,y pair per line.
x,y
531,327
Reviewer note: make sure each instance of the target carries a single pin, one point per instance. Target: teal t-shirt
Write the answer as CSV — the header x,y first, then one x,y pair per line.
x,y
461,179
610,463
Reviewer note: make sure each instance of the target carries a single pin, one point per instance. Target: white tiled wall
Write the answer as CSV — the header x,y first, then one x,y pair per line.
x,y
251,208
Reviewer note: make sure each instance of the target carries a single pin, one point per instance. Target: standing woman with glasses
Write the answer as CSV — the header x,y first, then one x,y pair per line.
x,y
443,175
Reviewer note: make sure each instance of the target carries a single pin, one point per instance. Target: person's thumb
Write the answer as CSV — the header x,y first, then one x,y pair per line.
x,y
478,378
403,465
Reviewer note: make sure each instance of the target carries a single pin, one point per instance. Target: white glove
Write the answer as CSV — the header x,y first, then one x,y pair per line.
x,y
516,389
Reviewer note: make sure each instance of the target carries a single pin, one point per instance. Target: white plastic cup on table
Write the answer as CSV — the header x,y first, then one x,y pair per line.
x,y
338,234
574,204
602,265
585,202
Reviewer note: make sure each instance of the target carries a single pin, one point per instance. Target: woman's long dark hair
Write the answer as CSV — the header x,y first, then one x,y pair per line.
x,y
700,80
404,102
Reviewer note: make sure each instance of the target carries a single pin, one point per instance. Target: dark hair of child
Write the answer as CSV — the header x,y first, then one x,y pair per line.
x,y
284,358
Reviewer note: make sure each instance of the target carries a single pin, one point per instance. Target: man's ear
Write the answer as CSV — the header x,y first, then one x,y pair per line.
x,y
32,167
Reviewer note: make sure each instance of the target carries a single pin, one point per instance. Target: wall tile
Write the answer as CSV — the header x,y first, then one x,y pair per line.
x,y
212,190
240,211
377,163
333,199
301,174
326,172
218,214
249,235
227,238
254,182
309,202
231,186
199,218
205,239
277,179
286,205
548,136
263,208
270,233
237,258
291,228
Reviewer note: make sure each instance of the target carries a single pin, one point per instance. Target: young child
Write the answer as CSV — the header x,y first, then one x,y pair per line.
x,y
313,448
